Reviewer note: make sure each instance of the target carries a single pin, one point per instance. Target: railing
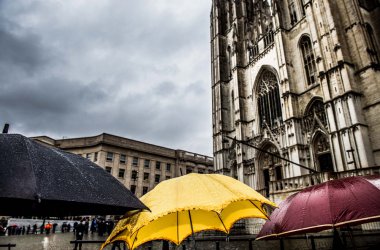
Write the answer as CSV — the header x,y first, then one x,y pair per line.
x,y
98,242
349,240
9,246
358,172
300,182
261,46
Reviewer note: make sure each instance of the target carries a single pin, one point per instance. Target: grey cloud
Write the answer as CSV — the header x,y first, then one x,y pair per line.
x,y
138,69
164,89
21,50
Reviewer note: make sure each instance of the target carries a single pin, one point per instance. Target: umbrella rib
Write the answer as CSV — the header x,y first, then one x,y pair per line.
x,y
259,209
191,223
177,228
221,221
134,240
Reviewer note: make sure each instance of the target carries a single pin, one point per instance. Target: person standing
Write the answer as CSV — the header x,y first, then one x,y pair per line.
x,y
93,226
47,228
75,225
79,234
42,227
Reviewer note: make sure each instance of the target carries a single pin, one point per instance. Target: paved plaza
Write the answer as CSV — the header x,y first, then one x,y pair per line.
x,y
52,241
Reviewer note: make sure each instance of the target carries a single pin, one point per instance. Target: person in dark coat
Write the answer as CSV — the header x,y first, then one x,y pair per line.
x,y
42,227
110,226
2,230
93,226
79,231
101,227
86,226
75,227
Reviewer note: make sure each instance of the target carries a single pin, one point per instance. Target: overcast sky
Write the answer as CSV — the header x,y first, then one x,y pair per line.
x,y
134,68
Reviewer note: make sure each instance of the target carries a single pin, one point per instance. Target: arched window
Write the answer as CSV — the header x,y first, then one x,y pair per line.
x,y
269,102
308,60
369,5
314,111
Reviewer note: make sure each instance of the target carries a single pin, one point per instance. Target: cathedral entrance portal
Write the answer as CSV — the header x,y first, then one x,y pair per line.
x,y
325,162
266,181
323,154
271,168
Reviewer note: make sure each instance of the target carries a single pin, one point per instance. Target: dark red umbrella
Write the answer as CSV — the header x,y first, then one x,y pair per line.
x,y
343,202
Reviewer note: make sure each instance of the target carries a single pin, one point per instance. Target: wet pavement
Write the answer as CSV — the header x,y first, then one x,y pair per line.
x,y
52,241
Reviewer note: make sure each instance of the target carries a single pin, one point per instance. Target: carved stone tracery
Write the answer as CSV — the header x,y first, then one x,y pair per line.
x,y
315,118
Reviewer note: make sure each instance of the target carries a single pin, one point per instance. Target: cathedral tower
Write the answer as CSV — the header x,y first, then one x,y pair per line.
x,y
299,79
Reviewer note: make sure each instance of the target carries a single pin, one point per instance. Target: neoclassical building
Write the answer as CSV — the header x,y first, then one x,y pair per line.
x,y
140,166
299,79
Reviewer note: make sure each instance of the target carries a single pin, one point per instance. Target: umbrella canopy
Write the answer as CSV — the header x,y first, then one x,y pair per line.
x,y
192,203
38,180
335,203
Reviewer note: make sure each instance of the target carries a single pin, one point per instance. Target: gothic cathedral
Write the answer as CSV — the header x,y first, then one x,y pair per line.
x,y
299,79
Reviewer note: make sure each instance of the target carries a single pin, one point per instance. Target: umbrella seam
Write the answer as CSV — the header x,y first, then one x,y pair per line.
x,y
329,203
25,142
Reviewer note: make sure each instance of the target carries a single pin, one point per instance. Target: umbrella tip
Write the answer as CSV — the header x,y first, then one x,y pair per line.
x,y
38,198
6,128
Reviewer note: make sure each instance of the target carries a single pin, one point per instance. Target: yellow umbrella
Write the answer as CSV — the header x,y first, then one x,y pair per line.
x,y
185,205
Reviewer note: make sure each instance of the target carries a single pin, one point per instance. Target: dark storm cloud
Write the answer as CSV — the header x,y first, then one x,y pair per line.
x,y
138,69
54,96
23,51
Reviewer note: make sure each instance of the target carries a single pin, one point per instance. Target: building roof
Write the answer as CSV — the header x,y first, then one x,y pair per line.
x,y
125,143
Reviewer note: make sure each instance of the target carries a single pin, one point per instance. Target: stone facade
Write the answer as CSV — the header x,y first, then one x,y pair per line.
x,y
138,165
300,79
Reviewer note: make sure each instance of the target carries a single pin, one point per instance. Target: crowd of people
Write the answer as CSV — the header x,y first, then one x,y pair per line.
x,y
96,225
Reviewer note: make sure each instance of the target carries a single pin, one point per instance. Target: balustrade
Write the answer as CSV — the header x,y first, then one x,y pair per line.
x,y
261,45
300,182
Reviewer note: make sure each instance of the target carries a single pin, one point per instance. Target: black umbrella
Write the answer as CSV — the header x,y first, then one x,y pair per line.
x,y
38,180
